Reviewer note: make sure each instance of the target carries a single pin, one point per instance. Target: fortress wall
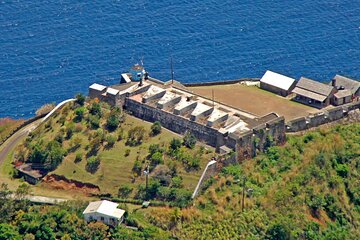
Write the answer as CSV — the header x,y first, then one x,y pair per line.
x,y
173,122
327,116
93,93
335,113
318,119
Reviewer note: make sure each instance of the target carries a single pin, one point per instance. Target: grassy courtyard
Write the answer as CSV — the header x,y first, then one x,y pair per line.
x,y
254,100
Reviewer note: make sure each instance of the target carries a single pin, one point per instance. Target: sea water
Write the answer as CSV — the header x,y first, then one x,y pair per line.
x,y
51,50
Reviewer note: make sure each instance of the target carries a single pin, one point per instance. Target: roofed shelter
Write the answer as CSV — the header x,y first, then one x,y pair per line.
x,y
313,93
104,211
347,89
277,83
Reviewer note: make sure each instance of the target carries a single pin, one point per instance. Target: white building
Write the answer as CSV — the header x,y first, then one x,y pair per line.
x,y
277,83
104,211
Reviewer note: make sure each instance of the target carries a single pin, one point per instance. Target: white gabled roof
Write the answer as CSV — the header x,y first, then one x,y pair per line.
x,y
104,207
277,80
98,87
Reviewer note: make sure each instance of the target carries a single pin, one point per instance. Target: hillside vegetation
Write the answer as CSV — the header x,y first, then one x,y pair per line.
x,y
95,143
307,189
7,125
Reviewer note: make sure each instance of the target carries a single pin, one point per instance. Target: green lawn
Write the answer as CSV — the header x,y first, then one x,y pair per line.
x,y
115,168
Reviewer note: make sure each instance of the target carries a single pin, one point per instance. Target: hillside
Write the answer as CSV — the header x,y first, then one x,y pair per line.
x,y
307,189
106,147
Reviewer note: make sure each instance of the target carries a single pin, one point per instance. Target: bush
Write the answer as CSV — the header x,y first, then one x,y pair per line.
x,y
175,144
92,164
127,152
70,130
135,136
94,121
156,158
112,122
80,99
111,140
79,112
189,140
155,128
95,109
78,157
125,191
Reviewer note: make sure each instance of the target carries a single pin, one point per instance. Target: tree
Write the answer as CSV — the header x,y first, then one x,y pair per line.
x,y
175,144
80,99
111,140
79,112
277,232
92,164
156,158
8,232
95,109
155,128
135,136
189,140
112,122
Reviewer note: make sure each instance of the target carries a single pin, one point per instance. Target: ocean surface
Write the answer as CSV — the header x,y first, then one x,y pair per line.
x,y
51,50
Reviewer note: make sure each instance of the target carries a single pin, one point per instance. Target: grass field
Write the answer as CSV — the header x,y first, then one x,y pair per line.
x,y
254,100
7,125
116,166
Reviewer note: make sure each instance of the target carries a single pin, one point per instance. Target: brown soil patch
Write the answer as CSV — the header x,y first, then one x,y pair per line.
x,y
254,100
61,182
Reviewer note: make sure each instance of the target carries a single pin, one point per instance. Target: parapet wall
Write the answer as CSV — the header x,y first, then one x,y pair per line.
x,y
326,116
224,82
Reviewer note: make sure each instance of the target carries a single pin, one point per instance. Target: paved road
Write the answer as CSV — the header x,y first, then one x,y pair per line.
x,y
14,140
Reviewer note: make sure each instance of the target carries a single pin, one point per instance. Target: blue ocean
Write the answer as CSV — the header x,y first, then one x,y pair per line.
x,y
51,50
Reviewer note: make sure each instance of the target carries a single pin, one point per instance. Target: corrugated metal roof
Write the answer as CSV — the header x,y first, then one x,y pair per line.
x,y
104,207
309,94
347,83
343,93
277,80
314,86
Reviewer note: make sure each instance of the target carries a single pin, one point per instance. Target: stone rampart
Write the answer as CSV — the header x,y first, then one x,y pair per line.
x,y
173,122
326,116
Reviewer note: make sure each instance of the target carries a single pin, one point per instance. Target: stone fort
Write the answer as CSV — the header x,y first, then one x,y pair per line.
x,y
223,127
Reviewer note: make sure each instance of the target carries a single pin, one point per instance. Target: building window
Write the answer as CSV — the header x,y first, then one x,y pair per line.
x,y
102,218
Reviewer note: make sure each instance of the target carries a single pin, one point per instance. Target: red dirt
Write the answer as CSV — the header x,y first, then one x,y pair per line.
x,y
61,182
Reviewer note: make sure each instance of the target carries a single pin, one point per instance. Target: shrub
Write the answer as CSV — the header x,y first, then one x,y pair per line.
x,y
127,152
80,99
189,140
92,164
156,158
137,167
95,109
155,128
94,121
125,191
112,122
135,136
78,157
120,134
79,112
111,140
175,144
342,170
70,130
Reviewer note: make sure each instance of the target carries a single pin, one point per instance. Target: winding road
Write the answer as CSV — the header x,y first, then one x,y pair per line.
x,y
14,140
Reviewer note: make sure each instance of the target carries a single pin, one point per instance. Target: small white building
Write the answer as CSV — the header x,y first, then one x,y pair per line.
x,y
104,211
277,83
